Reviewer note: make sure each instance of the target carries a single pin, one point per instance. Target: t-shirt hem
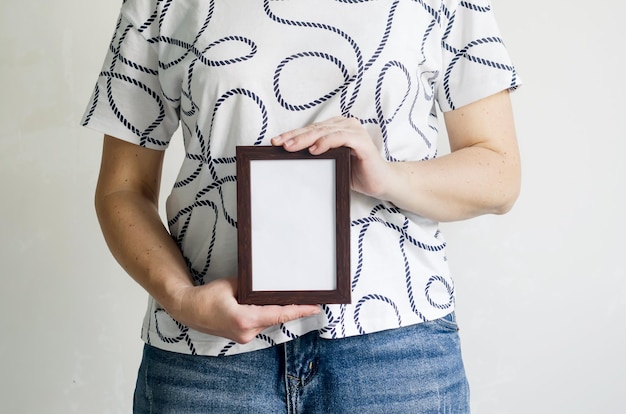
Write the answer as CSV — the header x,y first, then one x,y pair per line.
x,y
484,92
94,124
211,345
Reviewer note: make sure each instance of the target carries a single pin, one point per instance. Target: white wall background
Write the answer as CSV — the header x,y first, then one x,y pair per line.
x,y
542,290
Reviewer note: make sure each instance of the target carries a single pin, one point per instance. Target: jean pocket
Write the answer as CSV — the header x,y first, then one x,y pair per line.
x,y
447,322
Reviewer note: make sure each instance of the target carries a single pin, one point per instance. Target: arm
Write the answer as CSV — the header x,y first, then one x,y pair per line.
x,y
481,174
127,207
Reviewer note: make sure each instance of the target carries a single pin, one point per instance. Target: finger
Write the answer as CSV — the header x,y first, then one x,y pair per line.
x,y
274,315
333,139
321,140
301,138
287,136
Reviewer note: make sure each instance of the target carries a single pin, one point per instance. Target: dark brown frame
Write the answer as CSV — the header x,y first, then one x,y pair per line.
x,y
246,294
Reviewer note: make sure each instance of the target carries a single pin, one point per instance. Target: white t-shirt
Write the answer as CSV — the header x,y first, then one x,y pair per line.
x,y
238,72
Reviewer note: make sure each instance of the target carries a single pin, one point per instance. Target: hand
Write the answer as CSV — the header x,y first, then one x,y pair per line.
x,y
213,309
370,172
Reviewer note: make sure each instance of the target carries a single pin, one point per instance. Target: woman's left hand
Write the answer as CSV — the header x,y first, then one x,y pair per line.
x,y
369,169
480,175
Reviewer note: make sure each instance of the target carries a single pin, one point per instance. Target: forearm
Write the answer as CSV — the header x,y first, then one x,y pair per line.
x,y
126,203
140,243
481,175
466,183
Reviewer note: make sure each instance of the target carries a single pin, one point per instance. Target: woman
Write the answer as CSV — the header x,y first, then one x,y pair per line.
x,y
314,75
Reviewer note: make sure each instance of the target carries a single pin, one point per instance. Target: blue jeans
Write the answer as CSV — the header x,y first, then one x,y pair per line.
x,y
416,369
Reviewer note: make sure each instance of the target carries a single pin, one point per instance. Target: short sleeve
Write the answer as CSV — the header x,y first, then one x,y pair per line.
x,y
128,101
476,63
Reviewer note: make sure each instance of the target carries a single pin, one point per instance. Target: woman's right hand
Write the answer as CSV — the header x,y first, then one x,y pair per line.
x,y
127,206
213,309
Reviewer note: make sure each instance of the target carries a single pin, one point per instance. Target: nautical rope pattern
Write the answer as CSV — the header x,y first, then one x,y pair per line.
x,y
237,72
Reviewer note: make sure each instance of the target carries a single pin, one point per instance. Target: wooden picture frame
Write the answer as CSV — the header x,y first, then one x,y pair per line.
x,y
293,226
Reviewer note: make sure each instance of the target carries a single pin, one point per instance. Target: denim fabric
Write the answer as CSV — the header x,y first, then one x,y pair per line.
x,y
416,369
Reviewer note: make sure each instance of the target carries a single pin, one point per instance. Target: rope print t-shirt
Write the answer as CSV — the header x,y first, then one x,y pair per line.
x,y
238,72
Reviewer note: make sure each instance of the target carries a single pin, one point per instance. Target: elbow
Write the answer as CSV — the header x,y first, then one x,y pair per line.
x,y
508,184
106,205
507,196
99,203
505,206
